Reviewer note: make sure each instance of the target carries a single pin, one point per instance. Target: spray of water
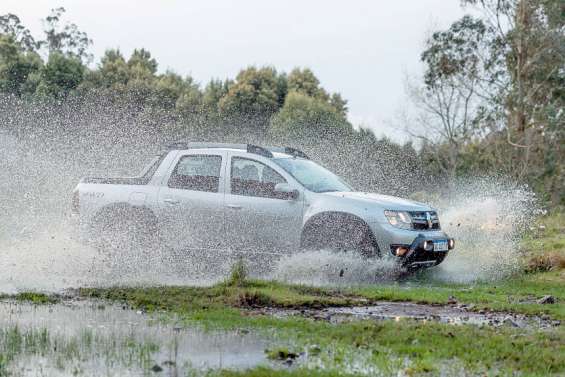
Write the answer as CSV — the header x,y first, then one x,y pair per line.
x,y
326,267
487,217
44,153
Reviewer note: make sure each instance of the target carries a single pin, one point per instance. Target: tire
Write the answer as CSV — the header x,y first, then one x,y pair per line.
x,y
339,232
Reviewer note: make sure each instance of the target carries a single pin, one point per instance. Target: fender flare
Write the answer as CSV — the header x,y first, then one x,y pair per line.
x,y
335,218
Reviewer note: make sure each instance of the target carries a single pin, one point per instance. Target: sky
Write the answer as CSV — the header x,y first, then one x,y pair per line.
x,y
363,49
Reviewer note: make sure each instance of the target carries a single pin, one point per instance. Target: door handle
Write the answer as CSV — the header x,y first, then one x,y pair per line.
x,y
234,206
171,201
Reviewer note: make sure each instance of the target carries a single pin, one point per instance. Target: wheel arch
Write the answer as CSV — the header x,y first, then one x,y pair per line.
x,y
335,218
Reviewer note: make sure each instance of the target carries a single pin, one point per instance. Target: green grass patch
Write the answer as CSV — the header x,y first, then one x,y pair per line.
x,y
33,297
544,245
268,372
518,294
243,294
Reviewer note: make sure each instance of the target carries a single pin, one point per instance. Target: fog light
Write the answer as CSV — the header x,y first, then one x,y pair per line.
x,y
401,251
429,245
451,243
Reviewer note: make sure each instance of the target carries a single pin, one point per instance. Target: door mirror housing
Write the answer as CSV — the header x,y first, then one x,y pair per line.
x,y
285,191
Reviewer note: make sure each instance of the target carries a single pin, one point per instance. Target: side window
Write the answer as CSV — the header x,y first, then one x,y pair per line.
x,y
197,173
252,178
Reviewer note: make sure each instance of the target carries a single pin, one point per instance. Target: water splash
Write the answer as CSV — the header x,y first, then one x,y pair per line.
x,y
42,164
325,267
487,217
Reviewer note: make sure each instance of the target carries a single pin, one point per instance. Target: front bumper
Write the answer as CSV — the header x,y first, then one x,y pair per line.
x,y
416,256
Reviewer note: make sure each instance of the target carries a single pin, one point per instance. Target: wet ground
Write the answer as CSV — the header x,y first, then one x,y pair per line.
x,y
387,310
94,338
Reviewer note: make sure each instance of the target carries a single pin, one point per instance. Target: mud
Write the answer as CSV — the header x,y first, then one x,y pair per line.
x,y
388,310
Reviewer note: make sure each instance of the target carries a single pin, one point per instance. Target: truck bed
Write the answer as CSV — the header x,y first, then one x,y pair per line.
x,y
115,180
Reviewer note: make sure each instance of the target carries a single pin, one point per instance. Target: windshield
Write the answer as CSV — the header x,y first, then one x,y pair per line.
x,y
311,175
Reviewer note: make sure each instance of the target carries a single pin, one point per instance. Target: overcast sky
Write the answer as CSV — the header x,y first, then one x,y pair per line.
x,y
359,48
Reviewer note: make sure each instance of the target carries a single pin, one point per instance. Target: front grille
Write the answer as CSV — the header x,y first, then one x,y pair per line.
x,y
422,220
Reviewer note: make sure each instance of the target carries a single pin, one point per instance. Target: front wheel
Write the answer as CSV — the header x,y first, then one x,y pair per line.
x,y
340,233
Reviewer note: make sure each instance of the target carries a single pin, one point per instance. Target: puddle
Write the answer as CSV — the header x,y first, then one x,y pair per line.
x,y
386,310
93,339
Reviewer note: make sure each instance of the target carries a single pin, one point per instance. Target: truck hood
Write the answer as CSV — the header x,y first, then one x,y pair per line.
x,y
384,201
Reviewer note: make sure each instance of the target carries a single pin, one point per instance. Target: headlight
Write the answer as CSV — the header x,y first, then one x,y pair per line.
x,y
399,219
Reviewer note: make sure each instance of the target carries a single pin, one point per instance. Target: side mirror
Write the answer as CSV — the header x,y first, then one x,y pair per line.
x,y
284,191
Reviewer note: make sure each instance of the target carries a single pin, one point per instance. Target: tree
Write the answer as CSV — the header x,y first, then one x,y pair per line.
x,y
340,104
305,82
213,93
528,37
253,98
508,63
447,110
65,39
11,25
142,61
181,94
16,66
304,117
60,75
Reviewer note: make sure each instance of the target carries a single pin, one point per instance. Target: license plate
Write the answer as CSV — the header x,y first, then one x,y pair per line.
x,y
440,245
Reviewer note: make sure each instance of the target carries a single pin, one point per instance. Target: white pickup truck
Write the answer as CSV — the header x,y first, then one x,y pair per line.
x,y
251,198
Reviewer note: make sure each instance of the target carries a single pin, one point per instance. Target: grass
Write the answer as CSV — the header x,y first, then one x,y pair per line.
x,y
544,246
518,294
33,297
250,293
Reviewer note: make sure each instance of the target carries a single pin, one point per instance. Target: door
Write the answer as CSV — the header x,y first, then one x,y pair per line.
x,y
257,218
191,201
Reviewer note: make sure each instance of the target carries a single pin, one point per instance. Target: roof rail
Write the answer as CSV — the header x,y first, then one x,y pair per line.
x,y
250,148
259,150
295,152
290,151
196,145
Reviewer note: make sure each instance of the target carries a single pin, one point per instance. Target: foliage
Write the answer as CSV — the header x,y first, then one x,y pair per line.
x,y
11,26
66,39
304,116
59,76
253,97
17,66
493,89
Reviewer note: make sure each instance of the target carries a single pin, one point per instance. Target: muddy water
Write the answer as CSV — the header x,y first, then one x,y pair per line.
x,y
386,310
98,339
